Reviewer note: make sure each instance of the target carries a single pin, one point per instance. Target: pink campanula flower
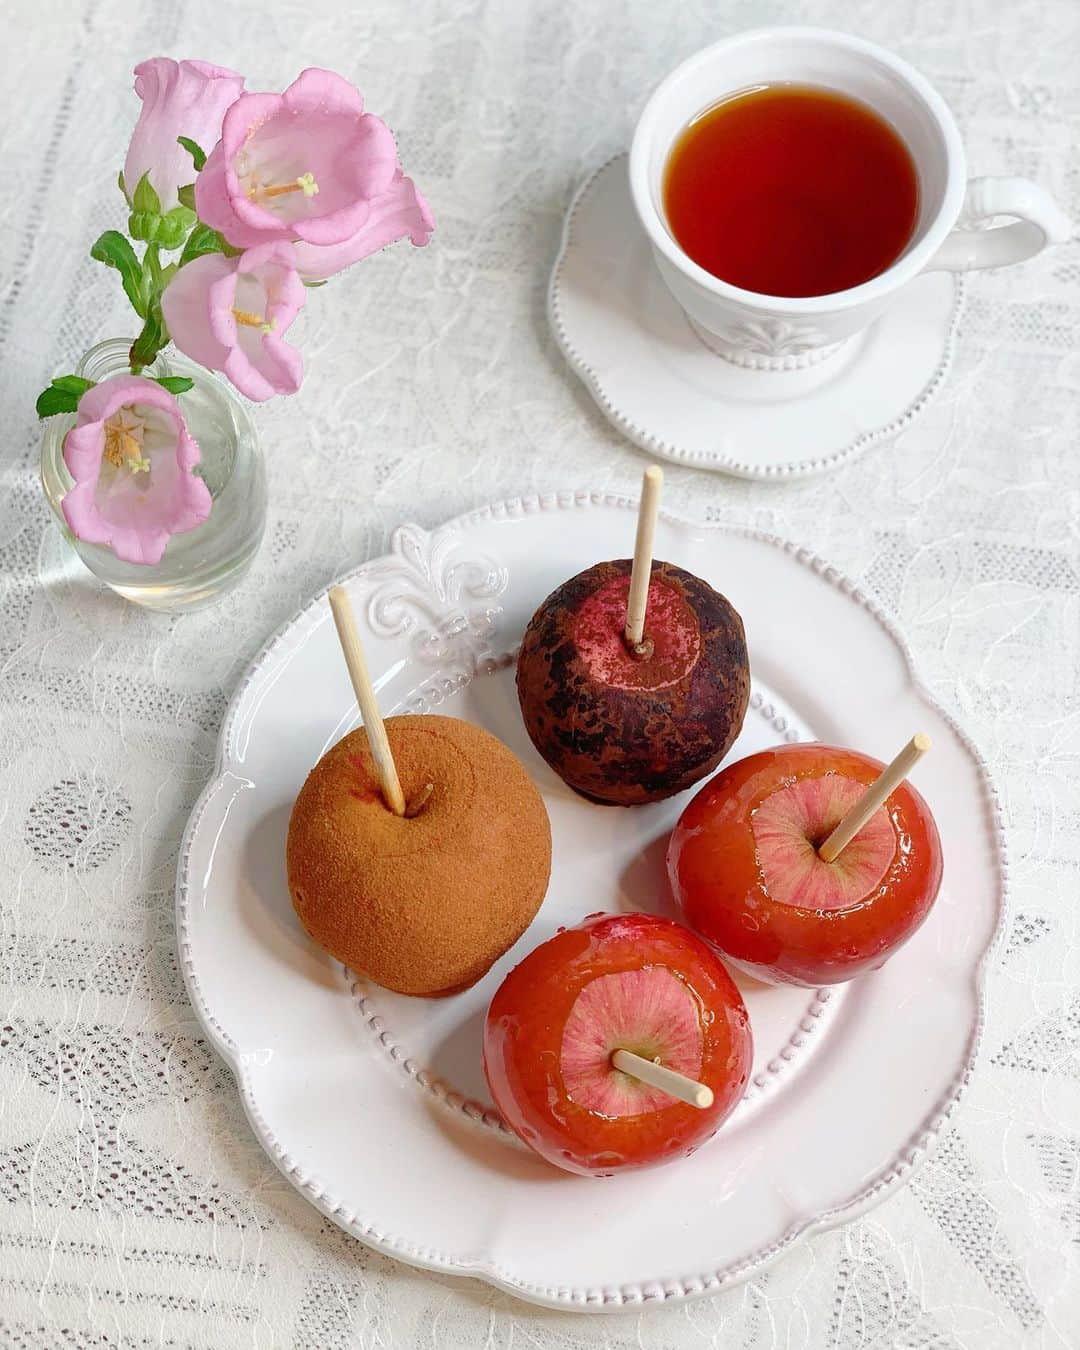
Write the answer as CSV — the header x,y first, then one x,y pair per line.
x,y
303,165
229,314
131,456
180,98
401,210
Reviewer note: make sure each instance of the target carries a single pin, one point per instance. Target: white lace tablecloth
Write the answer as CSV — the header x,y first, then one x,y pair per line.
x,y
136,1209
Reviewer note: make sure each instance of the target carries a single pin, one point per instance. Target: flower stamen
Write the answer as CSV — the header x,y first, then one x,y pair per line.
x,y
123,442
305,183
249,320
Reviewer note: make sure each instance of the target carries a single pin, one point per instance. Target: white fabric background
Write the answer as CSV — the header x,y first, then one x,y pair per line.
x,y
136,1209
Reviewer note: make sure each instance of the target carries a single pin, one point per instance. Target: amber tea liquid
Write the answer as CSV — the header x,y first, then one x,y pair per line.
x,y
791,190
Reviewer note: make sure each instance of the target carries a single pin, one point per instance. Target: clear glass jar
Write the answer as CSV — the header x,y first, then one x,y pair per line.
x,y
200,566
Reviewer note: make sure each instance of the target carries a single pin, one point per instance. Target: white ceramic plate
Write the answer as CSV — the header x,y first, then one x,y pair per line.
x,y
374,1105
662,387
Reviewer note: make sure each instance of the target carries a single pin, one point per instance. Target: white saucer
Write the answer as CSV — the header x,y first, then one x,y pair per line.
x,y
375,1105
657,381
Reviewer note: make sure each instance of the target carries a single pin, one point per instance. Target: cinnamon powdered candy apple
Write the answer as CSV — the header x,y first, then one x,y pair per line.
x,y
624,724
424,902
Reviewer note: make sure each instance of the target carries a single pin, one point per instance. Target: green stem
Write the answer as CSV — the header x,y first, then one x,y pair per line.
x,y
152,264
150,341
154,334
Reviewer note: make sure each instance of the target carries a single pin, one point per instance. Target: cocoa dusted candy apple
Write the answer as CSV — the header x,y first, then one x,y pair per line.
x,y
633,676
624,726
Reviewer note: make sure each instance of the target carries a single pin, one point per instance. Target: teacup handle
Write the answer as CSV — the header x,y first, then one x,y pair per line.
x,y
1040,222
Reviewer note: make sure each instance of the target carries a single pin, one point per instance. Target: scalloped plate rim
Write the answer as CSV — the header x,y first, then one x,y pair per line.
x,y
600,1299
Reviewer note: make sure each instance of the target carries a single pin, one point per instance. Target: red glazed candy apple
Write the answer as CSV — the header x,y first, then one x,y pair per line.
x,y
747,875
625,726
627,981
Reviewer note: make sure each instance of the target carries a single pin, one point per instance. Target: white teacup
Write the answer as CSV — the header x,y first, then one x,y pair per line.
x,y
776,332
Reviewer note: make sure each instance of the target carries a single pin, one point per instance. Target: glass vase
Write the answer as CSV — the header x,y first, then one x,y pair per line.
x,y
200,566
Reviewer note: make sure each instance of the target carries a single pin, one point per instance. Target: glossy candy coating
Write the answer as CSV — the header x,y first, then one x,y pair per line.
x,y
524,1046
721,884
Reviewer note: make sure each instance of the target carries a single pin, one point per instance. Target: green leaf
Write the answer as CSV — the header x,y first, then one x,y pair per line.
x,y
314,285
182,216
113,250
197,153
145,198
175,384
186,195
150,341
52,401
63,395
120,183
144,225
174,227
202,240
73,384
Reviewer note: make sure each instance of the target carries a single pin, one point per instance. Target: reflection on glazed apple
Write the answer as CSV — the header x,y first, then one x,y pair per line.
x,y
746,873
628,981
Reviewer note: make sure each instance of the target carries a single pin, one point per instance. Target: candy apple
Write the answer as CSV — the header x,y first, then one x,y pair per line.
x,y
626,725
629,981
747,875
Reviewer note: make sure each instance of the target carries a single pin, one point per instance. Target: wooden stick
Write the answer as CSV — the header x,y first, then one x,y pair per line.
x,y
875,795
667,1080
641,572
365,697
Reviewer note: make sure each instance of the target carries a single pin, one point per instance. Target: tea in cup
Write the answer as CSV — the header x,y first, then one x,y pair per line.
x,y
792,180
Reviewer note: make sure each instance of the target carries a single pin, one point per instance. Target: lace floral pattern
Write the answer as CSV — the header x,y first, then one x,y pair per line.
x,y
138,1211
